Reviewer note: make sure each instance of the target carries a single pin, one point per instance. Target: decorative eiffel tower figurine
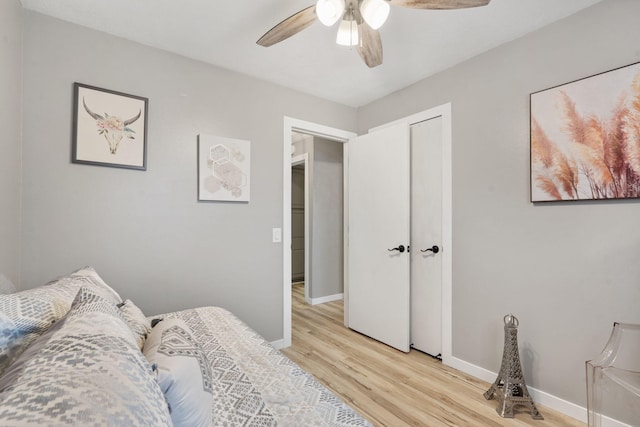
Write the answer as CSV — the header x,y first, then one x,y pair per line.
x,y
509,388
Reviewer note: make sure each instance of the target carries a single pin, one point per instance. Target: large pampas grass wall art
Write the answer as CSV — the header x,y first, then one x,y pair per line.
x,y
585,138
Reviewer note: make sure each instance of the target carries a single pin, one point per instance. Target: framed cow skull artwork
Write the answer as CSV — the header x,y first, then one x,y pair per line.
x,y
109,128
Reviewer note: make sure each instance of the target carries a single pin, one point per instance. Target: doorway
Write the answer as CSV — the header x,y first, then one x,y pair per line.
x,y
313,129
290,125
317,217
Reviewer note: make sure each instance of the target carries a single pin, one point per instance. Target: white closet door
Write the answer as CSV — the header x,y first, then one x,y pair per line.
x,y
379,220
426,232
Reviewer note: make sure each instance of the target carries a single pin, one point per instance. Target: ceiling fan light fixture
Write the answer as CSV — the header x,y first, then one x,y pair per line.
x,y
375,12
329,11
348,33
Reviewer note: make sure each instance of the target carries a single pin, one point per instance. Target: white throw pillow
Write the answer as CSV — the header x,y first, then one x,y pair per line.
x,y
184,373
98,285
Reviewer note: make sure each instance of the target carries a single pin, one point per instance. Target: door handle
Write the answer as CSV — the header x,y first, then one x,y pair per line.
x,y
433,249
400,249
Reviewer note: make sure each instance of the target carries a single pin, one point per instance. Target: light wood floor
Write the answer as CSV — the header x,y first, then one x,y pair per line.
x,y
388,387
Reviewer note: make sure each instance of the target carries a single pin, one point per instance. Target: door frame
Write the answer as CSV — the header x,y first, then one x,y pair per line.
x,y
314,129
444,112
303,159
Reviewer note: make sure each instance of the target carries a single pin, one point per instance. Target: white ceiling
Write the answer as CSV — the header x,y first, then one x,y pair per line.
x,y
417,43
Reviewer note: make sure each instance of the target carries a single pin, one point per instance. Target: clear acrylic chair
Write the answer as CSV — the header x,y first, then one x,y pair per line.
x,y
613,378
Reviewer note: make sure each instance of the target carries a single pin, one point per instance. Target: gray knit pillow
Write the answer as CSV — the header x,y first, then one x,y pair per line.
x,y
85,370
33,311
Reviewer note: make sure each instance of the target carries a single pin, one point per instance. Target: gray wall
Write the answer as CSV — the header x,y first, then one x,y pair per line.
x,y
145,232
566,270
10,116
327,246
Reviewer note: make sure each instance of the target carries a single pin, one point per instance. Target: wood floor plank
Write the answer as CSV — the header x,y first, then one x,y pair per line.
x,y
388,387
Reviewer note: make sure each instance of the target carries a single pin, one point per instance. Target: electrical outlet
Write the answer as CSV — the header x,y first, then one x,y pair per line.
x,y
276,234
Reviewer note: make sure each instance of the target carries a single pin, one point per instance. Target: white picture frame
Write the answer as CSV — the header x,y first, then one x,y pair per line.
x,y
224,169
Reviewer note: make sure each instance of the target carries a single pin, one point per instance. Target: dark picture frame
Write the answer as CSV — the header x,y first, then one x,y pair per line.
x,y
109,128
585,138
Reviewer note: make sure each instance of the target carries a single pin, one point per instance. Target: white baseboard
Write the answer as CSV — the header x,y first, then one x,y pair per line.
x,y
279,344
322,300
538,396
610,422
541,397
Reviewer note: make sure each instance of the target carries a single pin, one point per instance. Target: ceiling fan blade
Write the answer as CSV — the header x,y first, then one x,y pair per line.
x,y
290,26
370,46
439,4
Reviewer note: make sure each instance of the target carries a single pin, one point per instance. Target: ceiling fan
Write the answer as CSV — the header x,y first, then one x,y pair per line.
x,y
361,20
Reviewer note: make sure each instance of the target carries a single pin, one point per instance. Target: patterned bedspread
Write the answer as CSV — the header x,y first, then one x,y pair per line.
x,y
257,385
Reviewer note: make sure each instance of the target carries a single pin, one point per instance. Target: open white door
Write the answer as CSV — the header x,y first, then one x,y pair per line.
x,y
379,221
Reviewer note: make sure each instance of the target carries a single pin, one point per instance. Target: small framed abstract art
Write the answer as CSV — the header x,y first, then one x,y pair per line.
x,y
109,128
585,138
224,169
